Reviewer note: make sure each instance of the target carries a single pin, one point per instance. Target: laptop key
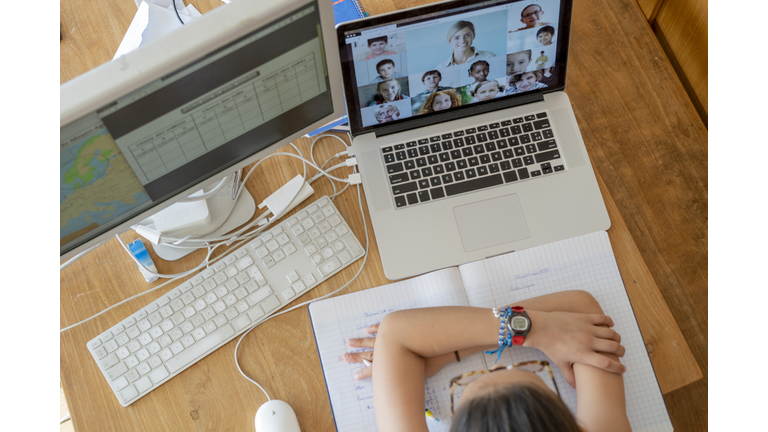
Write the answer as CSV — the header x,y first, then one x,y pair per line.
x,y
435,181
482,137
510,176
527,127
493,168
546,170
501,144
426,172
412,153
547,133
547,156
493,135
473,162
482,170
546,145
445,157
519,151
435,147
458,142
490,146
541,124
458,176
424,141
536,136
467,151
518,120
402,188
506,122
447,178
398,178
423,150
523,173
447,145
530,148
446,136
530,117
494,125
514,141
516,130
421,162
470,130
400,155
482,128
456,154
541,115
496,156
458,133
432,159
525,138
461,163
485,159
470,139
434,139
505,165
400,201
508,154
528,160
410,144
409,164
424,195
479,149
470,173
389,158
450,166
535,173
386,149
560,168
437,193
399,146
504,132
438,169
394,168
412,198
517,163
475,184
423,183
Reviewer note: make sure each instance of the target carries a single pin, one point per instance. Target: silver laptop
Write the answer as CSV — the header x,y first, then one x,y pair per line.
x,y
467,144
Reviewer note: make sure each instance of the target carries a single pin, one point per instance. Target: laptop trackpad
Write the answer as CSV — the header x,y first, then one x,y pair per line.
x,y
491,222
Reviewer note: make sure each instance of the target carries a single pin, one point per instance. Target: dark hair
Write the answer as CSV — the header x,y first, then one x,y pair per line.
x,y
378,39
546,29
383,62
542,52
514,408
537,73
432,72
478,62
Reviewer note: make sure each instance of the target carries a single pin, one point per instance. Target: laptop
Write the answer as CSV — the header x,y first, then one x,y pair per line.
x,y
467,145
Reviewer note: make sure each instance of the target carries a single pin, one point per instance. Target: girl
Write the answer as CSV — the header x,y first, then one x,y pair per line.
x,y
486,91
387,113
568,327
440,100
525,82
387,91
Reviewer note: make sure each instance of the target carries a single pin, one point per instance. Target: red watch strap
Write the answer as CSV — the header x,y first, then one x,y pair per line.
x,y
518,340
518,309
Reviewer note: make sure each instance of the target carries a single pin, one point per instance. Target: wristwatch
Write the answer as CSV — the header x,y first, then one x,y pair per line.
x,y
519,325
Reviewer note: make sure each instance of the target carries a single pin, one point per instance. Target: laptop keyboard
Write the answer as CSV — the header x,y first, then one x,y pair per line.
x,y
467,160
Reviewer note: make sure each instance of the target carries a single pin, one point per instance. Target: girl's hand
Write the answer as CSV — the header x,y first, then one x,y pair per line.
x,y
569,338
358,357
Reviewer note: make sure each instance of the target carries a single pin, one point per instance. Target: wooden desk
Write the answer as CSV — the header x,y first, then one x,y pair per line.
x,y
643,136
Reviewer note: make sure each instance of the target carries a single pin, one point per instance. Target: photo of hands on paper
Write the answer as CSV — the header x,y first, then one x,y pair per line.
x,y
568,328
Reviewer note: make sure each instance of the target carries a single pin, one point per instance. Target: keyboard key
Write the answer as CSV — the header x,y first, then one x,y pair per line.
x,y
530,117
547,156
535,173
541,115
386,149
479,183
398,178
510,176
412,198
547,133
523,173
560,168
404,188
437,193
541,124
424,195
394,168
546,145
188,355
400,201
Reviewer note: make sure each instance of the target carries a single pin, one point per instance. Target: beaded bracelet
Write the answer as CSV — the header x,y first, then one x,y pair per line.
x,y
505,336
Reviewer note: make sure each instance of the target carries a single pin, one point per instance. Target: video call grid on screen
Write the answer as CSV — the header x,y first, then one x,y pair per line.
x,y
408,69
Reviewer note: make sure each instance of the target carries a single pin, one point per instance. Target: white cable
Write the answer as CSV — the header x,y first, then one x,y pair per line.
x,y
65,418
80,255
365,258
210,193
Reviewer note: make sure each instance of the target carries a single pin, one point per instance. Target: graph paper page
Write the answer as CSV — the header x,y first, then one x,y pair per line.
x,y
584,263
337,319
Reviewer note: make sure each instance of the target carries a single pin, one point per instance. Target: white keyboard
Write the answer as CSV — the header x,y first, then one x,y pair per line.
x,y
246,287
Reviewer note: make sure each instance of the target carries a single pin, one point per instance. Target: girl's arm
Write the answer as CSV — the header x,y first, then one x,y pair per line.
x,y
406,338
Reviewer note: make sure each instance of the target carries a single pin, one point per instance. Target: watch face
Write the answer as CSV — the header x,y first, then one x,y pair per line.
x,y
519,323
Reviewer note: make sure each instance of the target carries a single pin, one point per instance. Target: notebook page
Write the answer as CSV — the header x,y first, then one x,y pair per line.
x,y
585,263
337,319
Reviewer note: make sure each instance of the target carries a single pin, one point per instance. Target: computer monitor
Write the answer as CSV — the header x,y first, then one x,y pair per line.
x,y
144,131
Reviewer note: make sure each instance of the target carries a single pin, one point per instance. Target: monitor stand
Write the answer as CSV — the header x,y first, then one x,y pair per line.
x,y
218,206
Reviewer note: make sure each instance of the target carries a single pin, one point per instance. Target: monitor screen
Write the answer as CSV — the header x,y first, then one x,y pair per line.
x,y
430,61
169,135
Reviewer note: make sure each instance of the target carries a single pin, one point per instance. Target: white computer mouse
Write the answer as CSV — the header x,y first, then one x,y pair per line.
x,y
276,416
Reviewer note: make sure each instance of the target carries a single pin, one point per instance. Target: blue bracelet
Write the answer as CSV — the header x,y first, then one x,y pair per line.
x,y
505,336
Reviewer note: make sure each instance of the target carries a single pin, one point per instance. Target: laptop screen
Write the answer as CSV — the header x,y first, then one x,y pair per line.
x,y
452,55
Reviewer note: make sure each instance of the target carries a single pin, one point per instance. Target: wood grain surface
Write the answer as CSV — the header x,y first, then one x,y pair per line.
x,y
644,138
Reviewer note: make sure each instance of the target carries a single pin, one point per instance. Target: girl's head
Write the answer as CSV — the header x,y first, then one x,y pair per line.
x,y
441,100
487,90
479,70
461,34
511,400
526,81
389,90
386,113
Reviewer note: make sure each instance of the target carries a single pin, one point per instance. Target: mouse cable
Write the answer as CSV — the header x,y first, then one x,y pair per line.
x,y
365,258
207,260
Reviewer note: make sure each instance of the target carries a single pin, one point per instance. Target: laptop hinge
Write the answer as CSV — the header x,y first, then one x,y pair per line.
x,y
463,113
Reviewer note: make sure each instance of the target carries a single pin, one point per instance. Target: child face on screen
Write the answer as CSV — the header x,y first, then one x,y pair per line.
x,y
385,115
378,47
517,63
531,16
545,38
441,102
526,82
479,72
389,91
432,82
386,71
488,91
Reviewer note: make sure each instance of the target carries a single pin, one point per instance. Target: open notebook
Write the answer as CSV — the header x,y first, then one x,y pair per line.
x,y
584,262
